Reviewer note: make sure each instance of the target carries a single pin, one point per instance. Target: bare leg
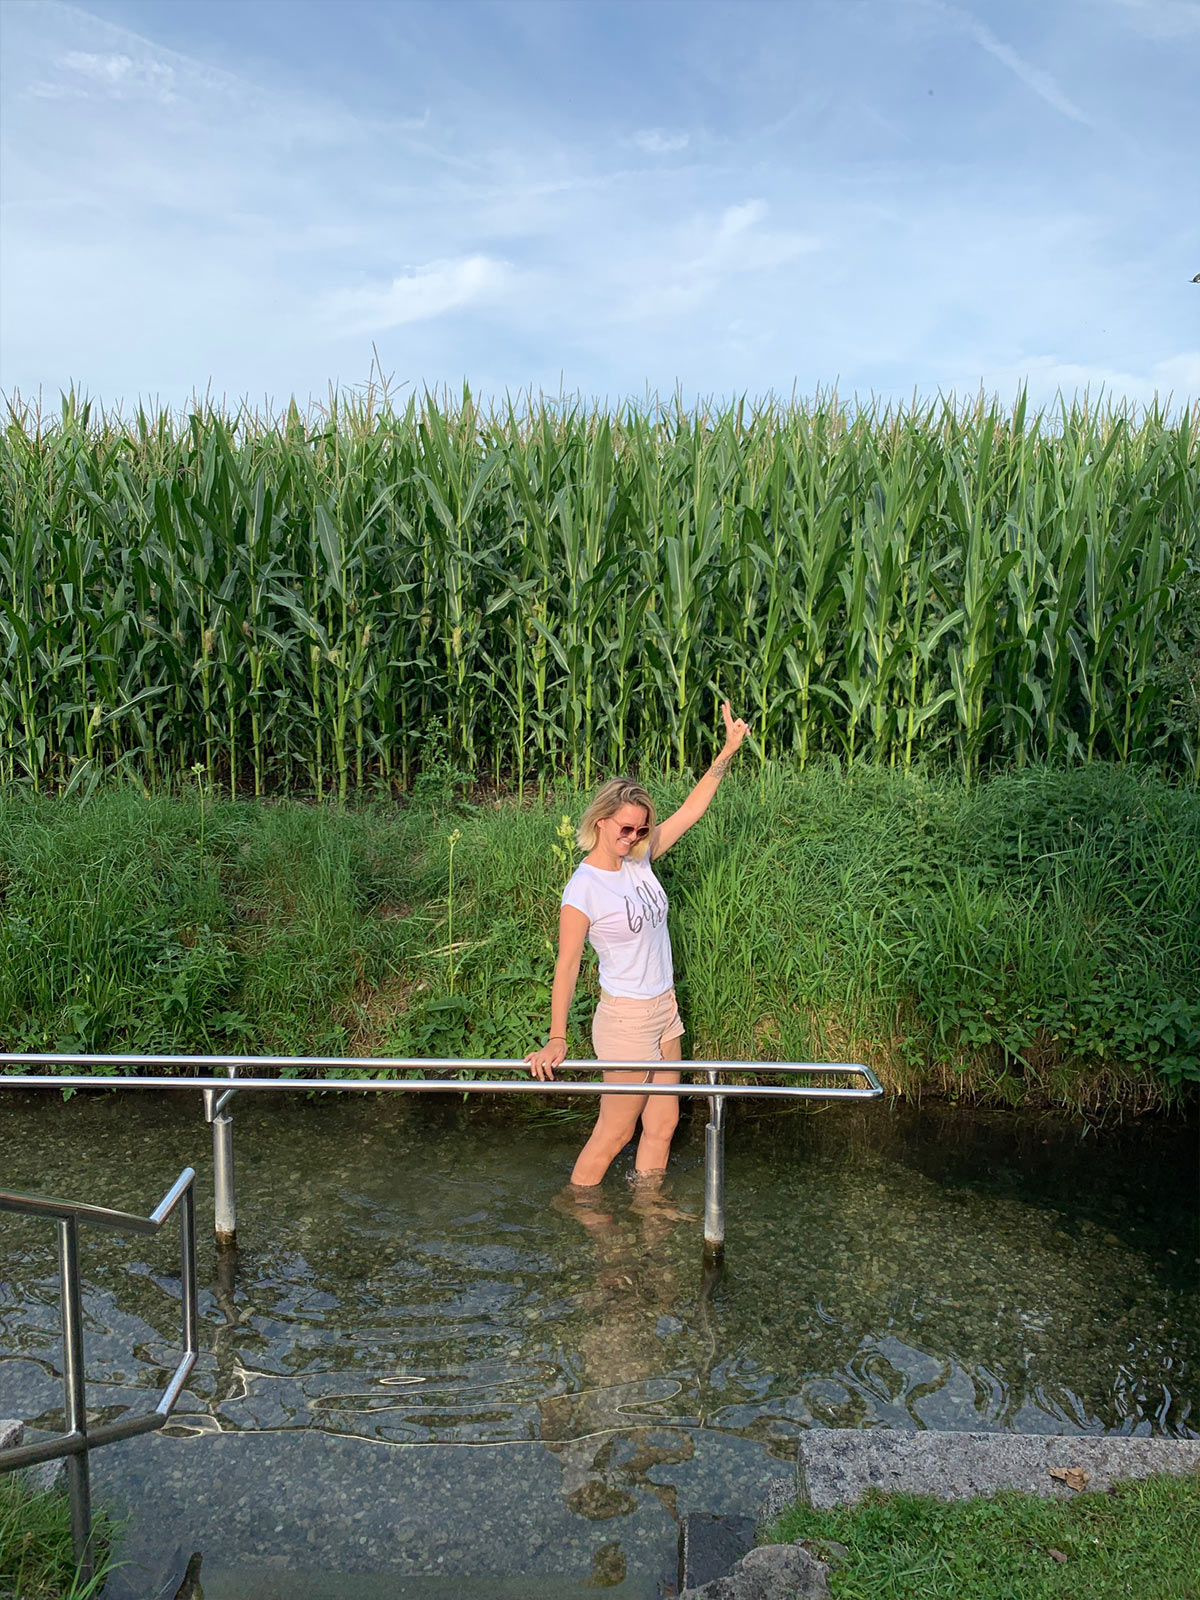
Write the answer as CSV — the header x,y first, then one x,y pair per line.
x,y
659,1117
614,1129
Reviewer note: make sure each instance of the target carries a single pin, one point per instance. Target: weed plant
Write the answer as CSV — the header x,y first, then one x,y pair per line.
x,y
36,1557
1033,939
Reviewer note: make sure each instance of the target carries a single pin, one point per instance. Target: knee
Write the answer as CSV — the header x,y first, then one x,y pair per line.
x,y
611,1138
660,1121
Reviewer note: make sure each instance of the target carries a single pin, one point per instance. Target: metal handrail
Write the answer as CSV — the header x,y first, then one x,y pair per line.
x,y
307,1085
217,1092
38,1205
79,1438
450,1063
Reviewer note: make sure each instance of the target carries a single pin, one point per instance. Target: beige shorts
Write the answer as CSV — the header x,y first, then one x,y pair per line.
x,y
627,1028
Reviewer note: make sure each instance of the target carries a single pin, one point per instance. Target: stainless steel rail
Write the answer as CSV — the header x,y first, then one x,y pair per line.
x,y
726,1091
217,1093
233,1065
79,1438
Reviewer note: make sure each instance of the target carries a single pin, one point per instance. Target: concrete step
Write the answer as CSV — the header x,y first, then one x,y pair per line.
x,y
241,1584
836,1466
315,1516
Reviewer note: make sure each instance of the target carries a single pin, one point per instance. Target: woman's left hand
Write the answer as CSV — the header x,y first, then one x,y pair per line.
x,y
735,731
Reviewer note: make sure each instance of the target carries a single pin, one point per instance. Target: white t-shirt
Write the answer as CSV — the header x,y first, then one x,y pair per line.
x,y
627,926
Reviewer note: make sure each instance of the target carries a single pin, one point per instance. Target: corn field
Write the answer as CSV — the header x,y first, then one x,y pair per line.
x,y
321,605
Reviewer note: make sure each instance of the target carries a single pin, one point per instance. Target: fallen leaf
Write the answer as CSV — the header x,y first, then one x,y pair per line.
x,y
1056,1555
1074,1477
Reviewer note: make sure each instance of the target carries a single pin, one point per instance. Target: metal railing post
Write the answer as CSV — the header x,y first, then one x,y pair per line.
x,y
224,1191
74,1402
187,1268
224,1194
714,1175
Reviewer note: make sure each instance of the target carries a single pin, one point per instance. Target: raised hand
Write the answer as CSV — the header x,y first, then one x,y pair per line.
x,y
735,731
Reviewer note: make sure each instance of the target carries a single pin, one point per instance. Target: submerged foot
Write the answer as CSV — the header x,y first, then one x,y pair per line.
x,y
650,1199
584,1202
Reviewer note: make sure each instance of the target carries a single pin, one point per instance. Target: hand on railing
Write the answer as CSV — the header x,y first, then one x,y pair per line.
x,y
543,1062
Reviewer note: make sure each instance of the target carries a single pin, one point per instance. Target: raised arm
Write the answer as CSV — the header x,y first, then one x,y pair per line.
x,y
697,803
572,931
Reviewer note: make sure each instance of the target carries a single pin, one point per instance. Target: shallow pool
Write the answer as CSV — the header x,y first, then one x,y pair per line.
x,y
427,1360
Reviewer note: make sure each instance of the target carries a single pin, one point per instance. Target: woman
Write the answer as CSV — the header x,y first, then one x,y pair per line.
x,y
615,901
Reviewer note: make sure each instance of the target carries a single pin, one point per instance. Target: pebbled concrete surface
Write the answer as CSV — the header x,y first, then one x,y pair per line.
x,y
838,1465
11,1434
430,1520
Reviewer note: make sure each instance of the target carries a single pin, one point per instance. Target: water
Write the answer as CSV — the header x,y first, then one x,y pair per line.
x,y
427,1368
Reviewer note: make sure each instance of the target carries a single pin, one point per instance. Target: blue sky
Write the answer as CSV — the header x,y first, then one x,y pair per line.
x,y
893,196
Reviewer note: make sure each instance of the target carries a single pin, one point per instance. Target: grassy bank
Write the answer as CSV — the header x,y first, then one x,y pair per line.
x,y
303,604
1034,939
36,1560
1141,1541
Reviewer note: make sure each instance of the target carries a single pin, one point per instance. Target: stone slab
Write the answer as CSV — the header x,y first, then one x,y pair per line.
x,y
308,1585
836,1466
772,1572
299,1514
158,1575
43,1476
710,1544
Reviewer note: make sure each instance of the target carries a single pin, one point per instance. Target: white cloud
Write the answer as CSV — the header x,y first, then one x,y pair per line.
x,y
266,228
1176,378
127,66
84,74
737,219
121,75
418,296
697,261
658,142
1035,78
1042,84
1179,375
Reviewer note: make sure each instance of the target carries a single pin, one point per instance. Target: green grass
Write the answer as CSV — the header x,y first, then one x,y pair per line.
x,y
1033,939
1140,1541
36,1559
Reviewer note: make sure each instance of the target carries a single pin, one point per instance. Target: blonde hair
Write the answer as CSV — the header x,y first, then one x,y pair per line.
x,y
617,792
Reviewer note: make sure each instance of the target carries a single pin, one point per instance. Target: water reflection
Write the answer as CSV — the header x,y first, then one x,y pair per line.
x,y
413,1274
230,1380
637,1283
